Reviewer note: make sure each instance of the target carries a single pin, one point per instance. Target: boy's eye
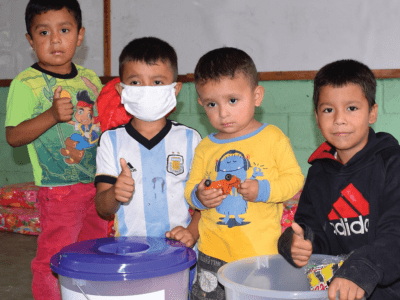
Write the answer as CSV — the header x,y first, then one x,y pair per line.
x,y
352,108
44,32
134,82
158,82
64,30
327,110
233,101
211,104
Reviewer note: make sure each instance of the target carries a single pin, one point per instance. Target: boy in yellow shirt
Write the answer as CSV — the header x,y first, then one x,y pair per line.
x,y
246,221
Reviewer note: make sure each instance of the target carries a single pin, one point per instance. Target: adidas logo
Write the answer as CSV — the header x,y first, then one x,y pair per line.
x,y
132,168
351,204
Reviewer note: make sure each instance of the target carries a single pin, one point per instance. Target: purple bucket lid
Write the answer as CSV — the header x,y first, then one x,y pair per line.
x,y
122,258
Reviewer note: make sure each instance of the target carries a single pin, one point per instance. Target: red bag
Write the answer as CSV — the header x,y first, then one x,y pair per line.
x,y
110,110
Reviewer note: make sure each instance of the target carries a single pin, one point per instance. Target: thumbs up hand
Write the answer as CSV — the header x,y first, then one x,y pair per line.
x,y
301,248
125,185
62,108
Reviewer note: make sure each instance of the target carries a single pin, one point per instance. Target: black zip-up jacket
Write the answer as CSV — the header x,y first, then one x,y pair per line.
x,y
355,208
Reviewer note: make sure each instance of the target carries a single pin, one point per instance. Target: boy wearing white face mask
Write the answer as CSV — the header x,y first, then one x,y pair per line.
x,y
142,166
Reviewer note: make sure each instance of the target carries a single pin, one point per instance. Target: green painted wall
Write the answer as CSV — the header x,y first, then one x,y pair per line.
x,y
286,104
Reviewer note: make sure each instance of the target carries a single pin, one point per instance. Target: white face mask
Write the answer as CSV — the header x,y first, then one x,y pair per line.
x,y
148,103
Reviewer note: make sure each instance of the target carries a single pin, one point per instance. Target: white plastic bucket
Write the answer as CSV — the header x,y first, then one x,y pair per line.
x,y
268,278
134,268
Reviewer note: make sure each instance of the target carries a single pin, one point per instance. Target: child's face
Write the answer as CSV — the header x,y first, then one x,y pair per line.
x,y
139,73
344,117
230,104
54,39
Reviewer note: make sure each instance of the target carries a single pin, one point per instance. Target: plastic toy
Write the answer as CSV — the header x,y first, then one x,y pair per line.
x,y
225,185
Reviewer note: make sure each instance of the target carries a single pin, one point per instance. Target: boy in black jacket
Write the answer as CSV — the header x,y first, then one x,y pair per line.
x,y
351,199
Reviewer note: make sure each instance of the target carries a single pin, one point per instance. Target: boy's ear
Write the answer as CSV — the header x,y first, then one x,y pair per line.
x,y
178,88
316,118
119,88
259,95
199,101
81,34
373,114
28,37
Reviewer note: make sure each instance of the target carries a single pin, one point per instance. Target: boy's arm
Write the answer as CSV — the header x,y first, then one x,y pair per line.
x,y
379,261
189,235
109,197
29,130
308,219
193,227
114,183
290,179
106,204
295,246
346,288
195,193
195,177
111,188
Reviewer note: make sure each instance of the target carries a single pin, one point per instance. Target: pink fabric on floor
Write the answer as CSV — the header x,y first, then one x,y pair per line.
x,y
19,220
19,195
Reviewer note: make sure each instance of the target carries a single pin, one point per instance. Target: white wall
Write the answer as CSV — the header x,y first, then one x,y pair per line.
x,y
280,35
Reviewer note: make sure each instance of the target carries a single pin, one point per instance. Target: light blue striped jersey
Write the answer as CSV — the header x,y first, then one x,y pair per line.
x,y
160,168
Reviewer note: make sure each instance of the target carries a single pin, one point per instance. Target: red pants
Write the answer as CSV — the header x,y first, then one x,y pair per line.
x,y
67,215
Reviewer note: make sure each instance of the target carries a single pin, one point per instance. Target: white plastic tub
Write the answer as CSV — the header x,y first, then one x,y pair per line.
x,y
133,268
268,278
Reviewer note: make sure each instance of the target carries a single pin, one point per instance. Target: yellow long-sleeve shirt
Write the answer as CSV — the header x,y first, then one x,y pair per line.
x,y
237,229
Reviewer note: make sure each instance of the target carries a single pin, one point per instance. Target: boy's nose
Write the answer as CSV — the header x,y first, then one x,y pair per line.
x,y
340,117
223,111
55,38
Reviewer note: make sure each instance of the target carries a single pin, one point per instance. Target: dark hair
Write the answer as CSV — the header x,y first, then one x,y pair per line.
x,y
148,50
84,96
343,72
37,7
224,62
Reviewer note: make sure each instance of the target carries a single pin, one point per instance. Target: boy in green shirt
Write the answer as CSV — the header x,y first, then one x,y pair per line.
x,y
50,108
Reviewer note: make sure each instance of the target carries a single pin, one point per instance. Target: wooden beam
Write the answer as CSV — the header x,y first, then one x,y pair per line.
x,y
288,75
5,82
263,76
107,37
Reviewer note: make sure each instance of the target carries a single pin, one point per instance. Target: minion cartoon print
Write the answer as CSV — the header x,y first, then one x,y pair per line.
x,y
86,126
234,163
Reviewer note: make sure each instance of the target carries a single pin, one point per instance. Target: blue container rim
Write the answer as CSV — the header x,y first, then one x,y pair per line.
x,y
122,258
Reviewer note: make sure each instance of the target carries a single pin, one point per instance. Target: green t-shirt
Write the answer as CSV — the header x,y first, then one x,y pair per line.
x,y
66,153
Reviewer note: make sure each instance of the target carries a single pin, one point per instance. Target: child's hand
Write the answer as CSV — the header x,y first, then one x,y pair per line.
x,y
347,289
182,235
62,108
125,185
301,248
249,190
209,198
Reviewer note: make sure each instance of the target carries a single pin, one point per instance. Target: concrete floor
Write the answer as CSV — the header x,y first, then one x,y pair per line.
x,y
16,254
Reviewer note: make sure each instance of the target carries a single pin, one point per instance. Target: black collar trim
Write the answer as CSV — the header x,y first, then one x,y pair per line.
x,y
71,75
149,144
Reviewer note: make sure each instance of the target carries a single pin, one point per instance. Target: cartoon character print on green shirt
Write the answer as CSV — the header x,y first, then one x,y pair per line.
x,y
86,124
67,151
